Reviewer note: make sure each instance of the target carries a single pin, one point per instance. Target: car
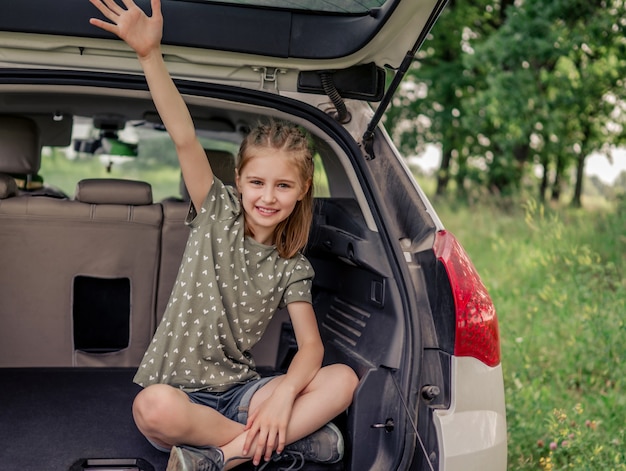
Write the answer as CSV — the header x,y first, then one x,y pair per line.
x,y
87,266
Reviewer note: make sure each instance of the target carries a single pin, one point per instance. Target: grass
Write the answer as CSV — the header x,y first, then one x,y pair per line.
x,y
557,278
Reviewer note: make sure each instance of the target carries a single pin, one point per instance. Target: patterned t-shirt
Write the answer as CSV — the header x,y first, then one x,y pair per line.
x,y
227,290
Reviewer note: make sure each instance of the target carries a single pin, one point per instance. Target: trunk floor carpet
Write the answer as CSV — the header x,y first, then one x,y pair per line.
x,y
51,418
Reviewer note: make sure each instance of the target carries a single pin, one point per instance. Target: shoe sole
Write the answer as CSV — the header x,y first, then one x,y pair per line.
x,y
177,461
340,444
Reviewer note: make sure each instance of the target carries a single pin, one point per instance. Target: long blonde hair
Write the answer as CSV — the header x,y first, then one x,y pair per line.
x,y
292,234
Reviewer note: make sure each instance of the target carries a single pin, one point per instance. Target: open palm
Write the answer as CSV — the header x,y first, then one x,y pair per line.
x,y
141,32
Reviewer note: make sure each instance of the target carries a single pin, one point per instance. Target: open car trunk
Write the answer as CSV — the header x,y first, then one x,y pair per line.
x,y
73,332
75,418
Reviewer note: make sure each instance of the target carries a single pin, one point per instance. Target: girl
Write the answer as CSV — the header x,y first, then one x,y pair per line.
x,y
202,398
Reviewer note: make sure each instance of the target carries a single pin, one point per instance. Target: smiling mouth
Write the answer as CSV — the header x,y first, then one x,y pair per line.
x,y
266,211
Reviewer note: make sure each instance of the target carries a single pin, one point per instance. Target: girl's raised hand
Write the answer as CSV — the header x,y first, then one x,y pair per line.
x,y
141,32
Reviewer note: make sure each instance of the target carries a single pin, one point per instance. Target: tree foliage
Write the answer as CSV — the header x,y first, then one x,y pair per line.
x,y
512,90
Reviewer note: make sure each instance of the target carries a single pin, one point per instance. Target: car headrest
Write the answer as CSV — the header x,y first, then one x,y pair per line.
x,y
223,166
8,187
113,191
20,149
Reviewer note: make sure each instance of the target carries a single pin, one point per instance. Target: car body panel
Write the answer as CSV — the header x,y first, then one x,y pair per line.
x,y
473,430
221,41
382,35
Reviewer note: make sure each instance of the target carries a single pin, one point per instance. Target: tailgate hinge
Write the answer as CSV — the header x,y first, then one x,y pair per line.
x,y
269,76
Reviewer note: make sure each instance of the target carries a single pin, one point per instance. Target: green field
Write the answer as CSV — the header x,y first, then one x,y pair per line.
x,y
557,278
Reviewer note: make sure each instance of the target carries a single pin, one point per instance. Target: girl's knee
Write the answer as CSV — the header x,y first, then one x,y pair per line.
x,y
349,379
155,405
344,380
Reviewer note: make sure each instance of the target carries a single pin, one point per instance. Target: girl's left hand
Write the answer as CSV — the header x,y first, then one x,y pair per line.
x,y
269,425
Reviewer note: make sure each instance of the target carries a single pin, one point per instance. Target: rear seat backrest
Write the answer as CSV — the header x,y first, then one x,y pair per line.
x,y
78,278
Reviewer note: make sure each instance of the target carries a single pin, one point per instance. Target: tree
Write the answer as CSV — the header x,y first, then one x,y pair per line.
x,y
505,88
513,105
597,82
429,106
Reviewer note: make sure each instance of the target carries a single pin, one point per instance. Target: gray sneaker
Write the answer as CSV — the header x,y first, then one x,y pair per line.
x,y
191,458
323,446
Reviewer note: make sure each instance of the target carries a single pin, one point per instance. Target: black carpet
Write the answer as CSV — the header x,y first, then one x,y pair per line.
x,y
55,419
51,418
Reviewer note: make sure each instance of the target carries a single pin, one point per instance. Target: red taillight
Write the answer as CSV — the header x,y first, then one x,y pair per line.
x,y
477,332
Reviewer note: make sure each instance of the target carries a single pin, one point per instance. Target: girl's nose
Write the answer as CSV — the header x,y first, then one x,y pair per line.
x,y
268,194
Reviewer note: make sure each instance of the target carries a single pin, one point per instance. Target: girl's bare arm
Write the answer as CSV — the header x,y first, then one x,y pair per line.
x,y
269,423
143,34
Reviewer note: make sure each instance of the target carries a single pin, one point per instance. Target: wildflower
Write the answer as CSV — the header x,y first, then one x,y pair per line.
x,y
560,415
540,443
545,463
553,446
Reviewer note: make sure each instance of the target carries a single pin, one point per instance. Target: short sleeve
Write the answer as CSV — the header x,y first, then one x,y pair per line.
x,y
221,203
300,282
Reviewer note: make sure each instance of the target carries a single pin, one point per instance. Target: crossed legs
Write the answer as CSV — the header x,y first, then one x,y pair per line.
x,y
167,417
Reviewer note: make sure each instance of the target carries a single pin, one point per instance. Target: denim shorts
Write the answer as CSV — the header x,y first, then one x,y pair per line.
x,y
232,404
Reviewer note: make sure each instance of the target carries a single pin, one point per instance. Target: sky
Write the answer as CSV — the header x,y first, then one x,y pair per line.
x,y
606,171
595,164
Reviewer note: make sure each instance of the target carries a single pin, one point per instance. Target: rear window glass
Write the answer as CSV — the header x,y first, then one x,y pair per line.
x,y
134,153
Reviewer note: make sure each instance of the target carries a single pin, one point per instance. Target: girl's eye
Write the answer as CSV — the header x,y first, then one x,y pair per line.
x,y
284,185
256,182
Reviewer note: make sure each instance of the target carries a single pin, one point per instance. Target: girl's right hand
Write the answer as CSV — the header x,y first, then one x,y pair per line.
x,y
141,32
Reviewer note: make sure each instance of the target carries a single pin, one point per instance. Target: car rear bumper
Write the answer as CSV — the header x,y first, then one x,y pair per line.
x,y
472,432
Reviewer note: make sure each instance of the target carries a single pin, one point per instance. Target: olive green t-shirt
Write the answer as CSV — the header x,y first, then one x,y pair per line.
x,y
227,290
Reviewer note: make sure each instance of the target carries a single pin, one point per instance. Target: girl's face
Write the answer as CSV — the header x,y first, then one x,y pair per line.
x,y
270,186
